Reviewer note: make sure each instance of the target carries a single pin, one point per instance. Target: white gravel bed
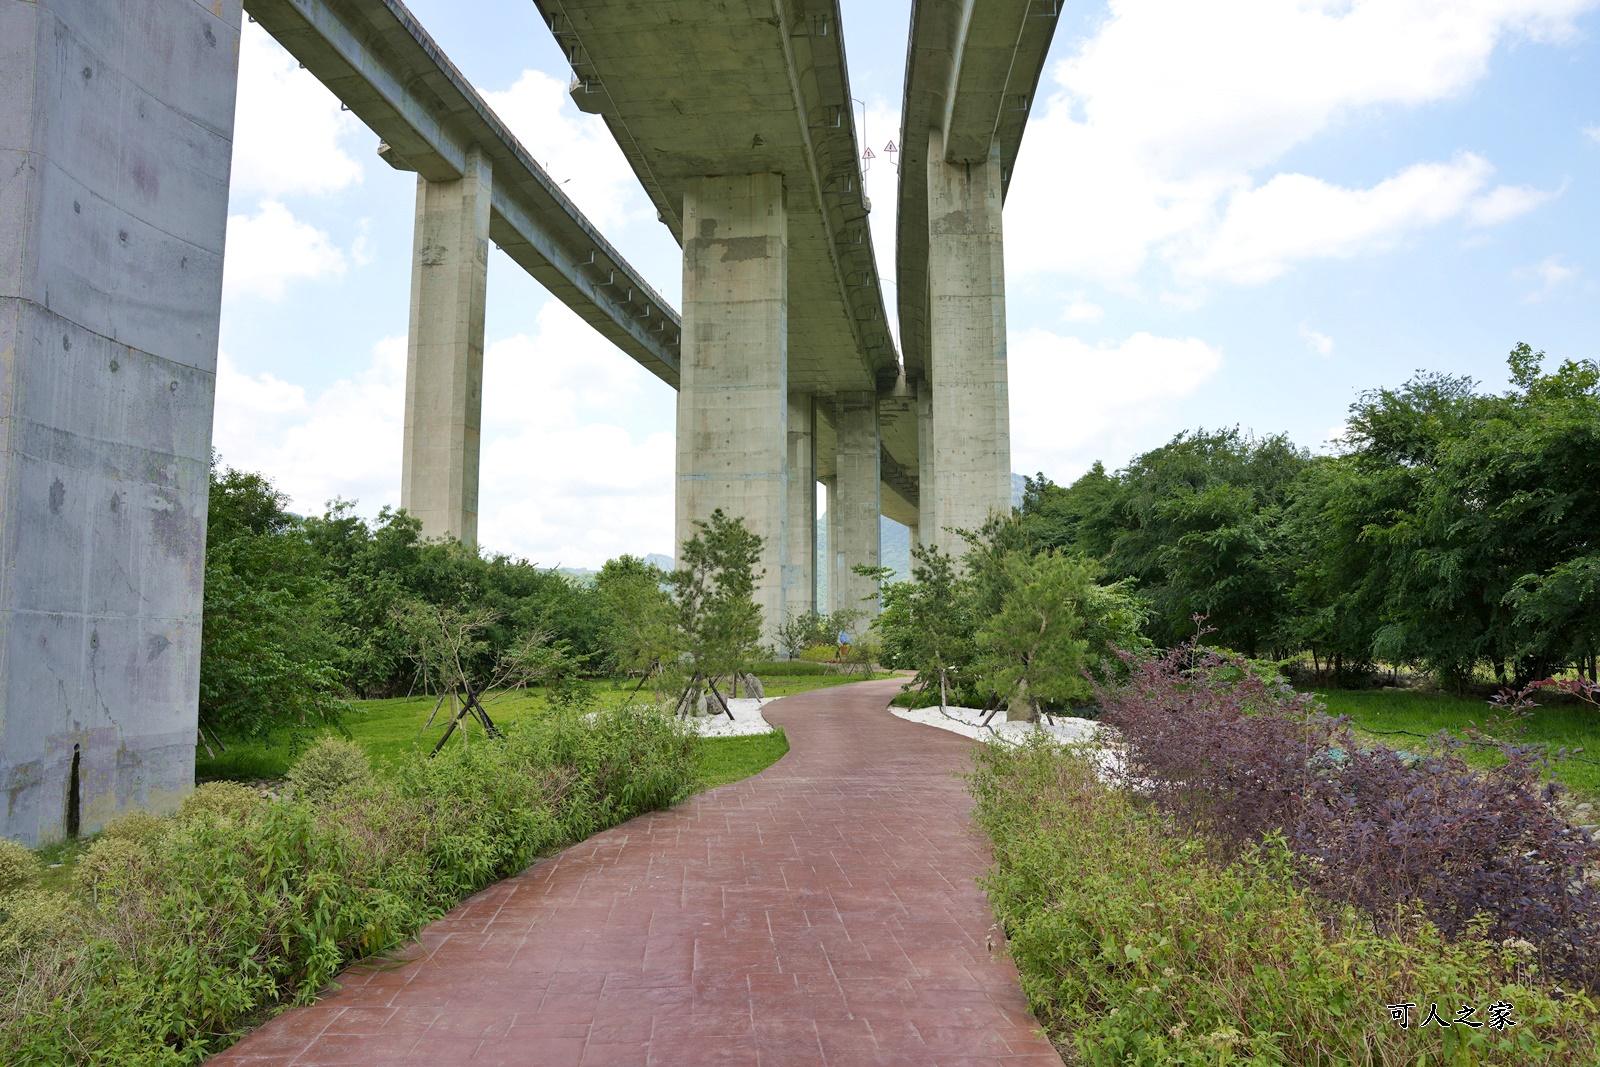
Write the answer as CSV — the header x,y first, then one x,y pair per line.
x,y
965,721
746,720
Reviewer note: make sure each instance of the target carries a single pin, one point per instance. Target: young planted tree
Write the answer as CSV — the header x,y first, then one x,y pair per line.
x,y
640,633
718,621
1055,630
928,623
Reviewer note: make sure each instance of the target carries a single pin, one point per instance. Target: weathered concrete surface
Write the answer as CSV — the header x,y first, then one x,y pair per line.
x,y
116,126
971,431
855,503
800,574
928,532
444,353
733,405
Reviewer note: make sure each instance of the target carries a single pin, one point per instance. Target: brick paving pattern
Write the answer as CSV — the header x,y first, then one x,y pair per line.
x,y
823,912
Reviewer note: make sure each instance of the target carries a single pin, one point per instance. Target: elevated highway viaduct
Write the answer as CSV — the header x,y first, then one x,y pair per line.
x,y
116,125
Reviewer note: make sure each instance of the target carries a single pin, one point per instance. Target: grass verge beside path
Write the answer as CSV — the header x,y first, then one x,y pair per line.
x,y
1137,950
391,730
1559,725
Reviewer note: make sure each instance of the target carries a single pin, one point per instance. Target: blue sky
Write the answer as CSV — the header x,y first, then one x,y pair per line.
x,y
1240,212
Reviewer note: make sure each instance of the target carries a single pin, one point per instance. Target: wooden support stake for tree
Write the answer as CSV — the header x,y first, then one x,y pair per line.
x,y
712,682
993,709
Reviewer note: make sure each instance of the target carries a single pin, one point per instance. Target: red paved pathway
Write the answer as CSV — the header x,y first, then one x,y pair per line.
x,y
821,913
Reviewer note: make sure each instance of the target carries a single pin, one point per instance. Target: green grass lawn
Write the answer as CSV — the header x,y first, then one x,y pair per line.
x,y
391,729
1560,725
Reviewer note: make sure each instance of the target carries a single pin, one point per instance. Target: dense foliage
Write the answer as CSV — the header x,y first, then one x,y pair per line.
x,y
1238,758
301,612
182,931
1031,628
1457,530
1138,950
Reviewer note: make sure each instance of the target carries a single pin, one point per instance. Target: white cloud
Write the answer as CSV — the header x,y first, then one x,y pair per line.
x,y
1506,202
271,248
1551,273
1593,133
585,471
1078,309
1320,343
288,127
576,149
577,453
1116,394
344,442
1164,121
1294,218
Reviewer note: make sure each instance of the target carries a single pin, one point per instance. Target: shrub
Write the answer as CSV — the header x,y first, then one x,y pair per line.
x,y
1139,950
31,919
226,799
820,654
330,766
241,906
137,826
1232,755
19,868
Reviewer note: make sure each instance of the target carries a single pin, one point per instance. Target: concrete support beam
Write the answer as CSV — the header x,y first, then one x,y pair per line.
x,y
444,354
800,575
856,501
830,505
116,127
971,432
733,405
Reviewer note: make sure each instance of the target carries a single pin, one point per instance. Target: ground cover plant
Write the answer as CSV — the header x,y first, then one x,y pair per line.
x,y
181,931
1237,757
1137,948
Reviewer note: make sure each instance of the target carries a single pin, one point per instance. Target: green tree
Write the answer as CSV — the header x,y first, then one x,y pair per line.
x,y
268,649
1055,630
718,619
639,633
928,624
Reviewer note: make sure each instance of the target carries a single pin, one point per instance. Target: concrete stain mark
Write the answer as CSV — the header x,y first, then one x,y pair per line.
x,y
158,644
741,249
708,229
432,254
58,496
954,222
173,528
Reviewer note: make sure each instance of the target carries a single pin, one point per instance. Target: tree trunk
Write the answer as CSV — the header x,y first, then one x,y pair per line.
x,y
1021,708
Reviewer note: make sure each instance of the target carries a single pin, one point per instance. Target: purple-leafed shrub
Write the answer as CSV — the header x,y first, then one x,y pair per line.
x,y
1236,756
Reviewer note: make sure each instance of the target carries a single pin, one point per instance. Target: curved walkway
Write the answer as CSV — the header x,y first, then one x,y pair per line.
x,y
823,912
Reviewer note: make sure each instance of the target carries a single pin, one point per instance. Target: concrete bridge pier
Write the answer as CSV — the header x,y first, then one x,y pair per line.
x,y
856,502
116,128
927,529
971,431
733,399
444,351
800,574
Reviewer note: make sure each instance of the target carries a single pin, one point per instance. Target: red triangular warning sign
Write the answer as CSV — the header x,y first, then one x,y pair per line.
x,y
868,154
890,147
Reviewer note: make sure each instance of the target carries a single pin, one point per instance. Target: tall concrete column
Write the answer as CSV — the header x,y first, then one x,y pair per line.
x,y
927,526
967,333
800,575
830,503
733,399
116,128
856,500
444,353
